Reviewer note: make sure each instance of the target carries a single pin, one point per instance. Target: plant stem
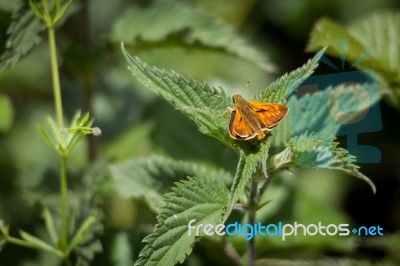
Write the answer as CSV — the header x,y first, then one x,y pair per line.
x,y
56,78
60,123
64,201
232,253
252,220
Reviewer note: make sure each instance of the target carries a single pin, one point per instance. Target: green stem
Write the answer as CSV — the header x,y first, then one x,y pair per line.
x,y
56,79
251,256
64,201
60,123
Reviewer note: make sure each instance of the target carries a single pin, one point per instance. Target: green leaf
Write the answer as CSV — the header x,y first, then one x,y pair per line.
x,y
121,250
277,91
44,135
59,15
24,33
201,103
314,151
39,243
6,113
85,119
35,8
369,43
51,228
82,233
55,130
247,167
202,199
137,136
317,113
183,25
151,177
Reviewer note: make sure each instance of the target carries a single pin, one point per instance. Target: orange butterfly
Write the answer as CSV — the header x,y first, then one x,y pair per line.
x,y
252,118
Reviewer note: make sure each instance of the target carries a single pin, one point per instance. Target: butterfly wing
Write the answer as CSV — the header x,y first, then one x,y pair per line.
x,y
268,114
238,129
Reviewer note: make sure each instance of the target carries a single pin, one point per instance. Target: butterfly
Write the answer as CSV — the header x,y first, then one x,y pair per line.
x,y
250,119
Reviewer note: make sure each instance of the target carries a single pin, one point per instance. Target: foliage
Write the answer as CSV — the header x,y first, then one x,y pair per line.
x,y
368,43
200,102
200,199
183,25
153,176
24,34
91,201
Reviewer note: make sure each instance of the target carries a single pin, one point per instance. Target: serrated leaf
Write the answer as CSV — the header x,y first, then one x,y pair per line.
x,y
247,167
315,151
278,90
203,104
320,112
183,25
24,33
201,199
153,176
369,43
39,243
6,113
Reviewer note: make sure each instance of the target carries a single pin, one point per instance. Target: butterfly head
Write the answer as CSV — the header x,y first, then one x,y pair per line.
x,y
236,98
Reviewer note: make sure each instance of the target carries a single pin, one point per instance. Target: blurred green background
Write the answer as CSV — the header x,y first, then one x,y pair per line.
x,y
136,123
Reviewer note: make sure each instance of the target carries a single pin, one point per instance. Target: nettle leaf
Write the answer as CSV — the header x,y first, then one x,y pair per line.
x,y
252,157
314,151
183,25
151,177
201,103
202,199
277,91
369,43
247,167
24,33
322,112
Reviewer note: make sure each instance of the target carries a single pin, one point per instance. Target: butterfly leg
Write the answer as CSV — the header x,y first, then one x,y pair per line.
x,y
228,110
260,135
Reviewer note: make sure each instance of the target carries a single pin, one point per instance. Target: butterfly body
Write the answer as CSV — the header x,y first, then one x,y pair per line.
x,y
251,119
